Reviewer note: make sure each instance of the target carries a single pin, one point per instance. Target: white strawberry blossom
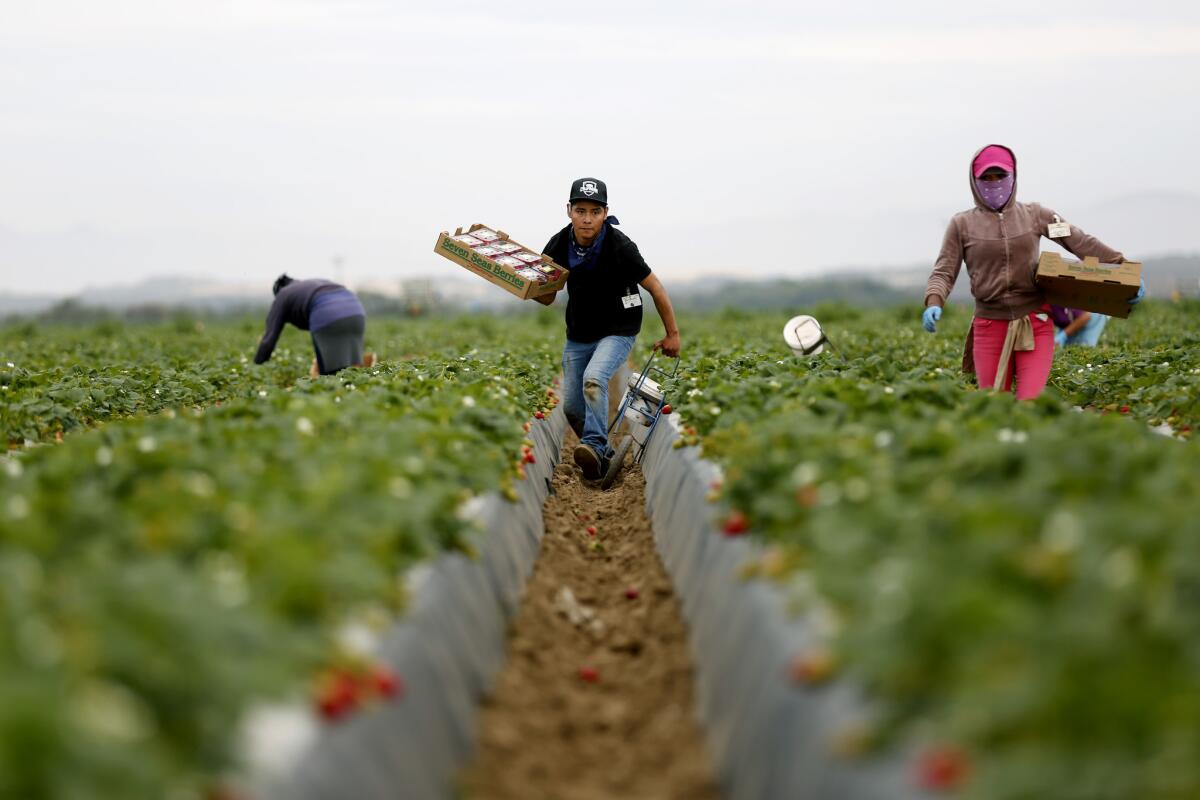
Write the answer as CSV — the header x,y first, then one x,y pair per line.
x,y
1120,568
805,473
1063,531
18,507
857,490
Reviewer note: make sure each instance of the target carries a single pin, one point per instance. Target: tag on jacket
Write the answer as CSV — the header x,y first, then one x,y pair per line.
x,y
1059,229
631,300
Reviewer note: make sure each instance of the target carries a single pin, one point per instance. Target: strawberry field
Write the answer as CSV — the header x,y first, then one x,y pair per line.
x,y
1014,586
184,535
160,574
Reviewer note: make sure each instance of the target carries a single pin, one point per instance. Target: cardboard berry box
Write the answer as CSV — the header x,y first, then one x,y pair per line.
x,y
1089,284
491,254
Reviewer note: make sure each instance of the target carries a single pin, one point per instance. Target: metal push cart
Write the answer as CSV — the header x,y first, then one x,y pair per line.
x,y
642,405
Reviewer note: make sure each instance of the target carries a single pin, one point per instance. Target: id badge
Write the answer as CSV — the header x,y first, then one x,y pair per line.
x,y
631,300
1059,229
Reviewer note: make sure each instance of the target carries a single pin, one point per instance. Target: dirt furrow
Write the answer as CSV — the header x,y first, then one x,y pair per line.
x,y
596,700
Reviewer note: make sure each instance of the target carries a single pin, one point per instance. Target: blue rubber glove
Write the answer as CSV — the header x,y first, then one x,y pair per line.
x,y
1060,338
1137,298
930,318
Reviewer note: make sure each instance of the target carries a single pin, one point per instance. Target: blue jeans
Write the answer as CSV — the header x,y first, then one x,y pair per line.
x,y
1089,335
587,369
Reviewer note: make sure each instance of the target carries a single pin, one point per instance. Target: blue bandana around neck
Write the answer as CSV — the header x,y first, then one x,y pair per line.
x,y
585,257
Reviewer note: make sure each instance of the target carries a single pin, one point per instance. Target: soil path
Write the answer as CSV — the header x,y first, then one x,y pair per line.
x,y
553,731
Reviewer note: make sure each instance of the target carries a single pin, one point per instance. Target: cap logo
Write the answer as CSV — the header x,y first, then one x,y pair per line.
x,y
588,188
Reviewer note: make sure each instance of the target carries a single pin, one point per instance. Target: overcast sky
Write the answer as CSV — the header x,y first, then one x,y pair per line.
x,y
237,138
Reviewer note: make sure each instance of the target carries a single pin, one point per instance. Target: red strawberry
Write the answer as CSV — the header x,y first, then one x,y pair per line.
x,y
337,696
539,415
631,593
666,409
385,682
591,530
526,427
223,793
813,666
942,768
529,457
1124,409
589,674
736,524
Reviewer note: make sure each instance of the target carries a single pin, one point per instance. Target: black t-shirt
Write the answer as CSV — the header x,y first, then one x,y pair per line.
x,y
594,307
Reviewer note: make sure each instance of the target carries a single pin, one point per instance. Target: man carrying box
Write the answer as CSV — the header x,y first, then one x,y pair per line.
x,y
604,315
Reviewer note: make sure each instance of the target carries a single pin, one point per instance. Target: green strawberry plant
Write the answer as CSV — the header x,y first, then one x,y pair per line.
x,y
165,571
1013,583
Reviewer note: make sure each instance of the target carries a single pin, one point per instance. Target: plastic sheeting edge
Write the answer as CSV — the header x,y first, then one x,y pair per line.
x,y
769,738
448,649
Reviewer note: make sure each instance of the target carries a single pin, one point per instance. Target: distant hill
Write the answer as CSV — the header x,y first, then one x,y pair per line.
x,y
1164,274
880,286
166,296
1145,223
883,286
1168,273
63,261
25,304
785,293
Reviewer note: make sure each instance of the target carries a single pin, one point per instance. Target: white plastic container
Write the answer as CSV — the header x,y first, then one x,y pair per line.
x,y
642,406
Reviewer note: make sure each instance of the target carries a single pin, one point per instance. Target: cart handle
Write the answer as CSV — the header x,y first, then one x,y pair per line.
x,y
646,369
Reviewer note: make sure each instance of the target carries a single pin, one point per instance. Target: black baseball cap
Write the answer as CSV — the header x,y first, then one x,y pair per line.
x,y
589,189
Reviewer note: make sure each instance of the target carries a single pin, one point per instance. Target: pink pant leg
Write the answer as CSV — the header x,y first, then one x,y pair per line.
x,y
1033,366
988,335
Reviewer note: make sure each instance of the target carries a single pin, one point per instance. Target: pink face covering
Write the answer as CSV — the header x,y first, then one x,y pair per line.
x,y
996,194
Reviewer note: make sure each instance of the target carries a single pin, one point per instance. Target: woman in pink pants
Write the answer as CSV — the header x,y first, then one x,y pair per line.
x,y
999,240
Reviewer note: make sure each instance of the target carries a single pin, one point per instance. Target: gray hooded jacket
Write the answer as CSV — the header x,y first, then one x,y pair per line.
x,y
1001,251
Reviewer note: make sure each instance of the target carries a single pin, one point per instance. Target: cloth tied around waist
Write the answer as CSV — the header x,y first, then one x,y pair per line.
x,y
1018,337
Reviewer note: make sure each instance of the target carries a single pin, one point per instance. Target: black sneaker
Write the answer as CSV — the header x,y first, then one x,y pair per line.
x,y
587,460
